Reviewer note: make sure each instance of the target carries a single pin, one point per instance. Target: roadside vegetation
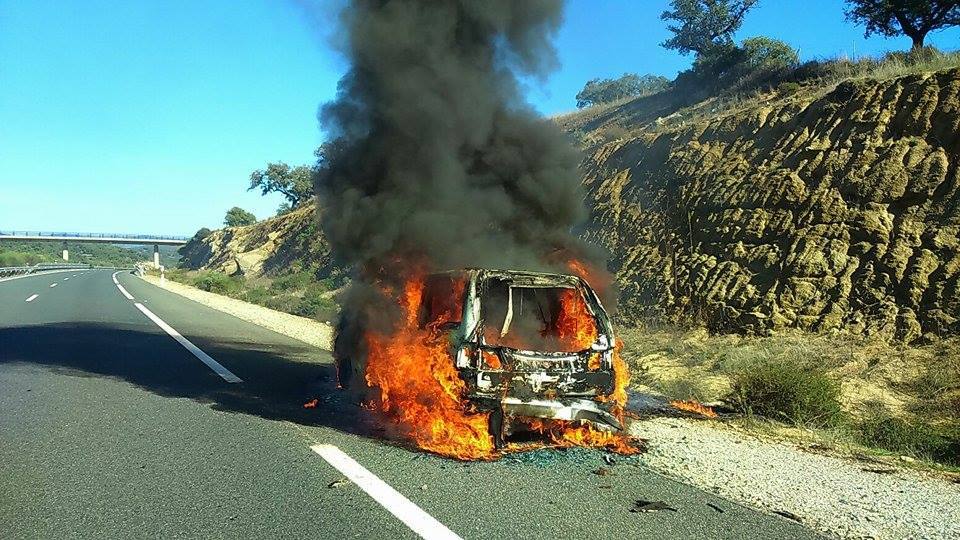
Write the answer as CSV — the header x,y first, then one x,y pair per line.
x,y
726,75
846,392
28,253
238,217
297,293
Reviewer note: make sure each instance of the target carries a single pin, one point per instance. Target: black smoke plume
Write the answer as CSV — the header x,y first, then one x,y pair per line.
x,y
435,161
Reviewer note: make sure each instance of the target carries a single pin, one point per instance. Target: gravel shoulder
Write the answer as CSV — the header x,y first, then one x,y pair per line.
x,y
303,329
841,498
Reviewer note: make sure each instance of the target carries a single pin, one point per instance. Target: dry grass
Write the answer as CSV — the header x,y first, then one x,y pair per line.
x,y
895,399
677,107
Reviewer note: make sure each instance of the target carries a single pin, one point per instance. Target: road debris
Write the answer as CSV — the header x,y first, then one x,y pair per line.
x,y
651,506
602,471
338,483
878,470
787,514
312,404
715,507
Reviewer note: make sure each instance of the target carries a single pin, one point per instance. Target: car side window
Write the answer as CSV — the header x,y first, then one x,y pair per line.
x,y
442,302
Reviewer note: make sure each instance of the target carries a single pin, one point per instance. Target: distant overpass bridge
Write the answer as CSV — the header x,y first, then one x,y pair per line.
x,y
98,238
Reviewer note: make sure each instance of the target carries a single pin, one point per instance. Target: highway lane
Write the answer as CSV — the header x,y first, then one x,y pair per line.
x,y
111,428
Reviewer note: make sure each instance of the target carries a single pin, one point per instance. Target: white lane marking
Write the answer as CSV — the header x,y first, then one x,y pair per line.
x,y
66,279
32,298
52,285
119,286
32,275
410,514
217,368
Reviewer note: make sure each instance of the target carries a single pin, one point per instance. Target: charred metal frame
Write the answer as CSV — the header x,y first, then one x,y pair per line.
x,y
533,384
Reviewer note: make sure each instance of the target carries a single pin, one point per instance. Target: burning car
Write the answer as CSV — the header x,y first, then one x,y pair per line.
x,y
526,346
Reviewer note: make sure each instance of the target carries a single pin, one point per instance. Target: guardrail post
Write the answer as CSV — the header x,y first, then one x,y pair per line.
x,y
66,254
156,256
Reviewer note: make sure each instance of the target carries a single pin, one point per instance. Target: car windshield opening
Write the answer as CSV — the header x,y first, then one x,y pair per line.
x,y
546,319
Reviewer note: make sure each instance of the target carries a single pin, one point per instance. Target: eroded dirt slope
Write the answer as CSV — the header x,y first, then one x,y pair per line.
x,y
835,211
292,241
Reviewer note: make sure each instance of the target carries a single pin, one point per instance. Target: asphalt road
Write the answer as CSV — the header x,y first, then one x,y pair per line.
x,y
111,428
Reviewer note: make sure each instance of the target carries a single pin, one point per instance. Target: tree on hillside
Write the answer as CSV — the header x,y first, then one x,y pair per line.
x,y
912,18
294,183
702,25
767,53
238,217
630,84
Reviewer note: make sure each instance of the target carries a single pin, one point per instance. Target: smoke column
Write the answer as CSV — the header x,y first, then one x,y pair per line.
x,y
436,162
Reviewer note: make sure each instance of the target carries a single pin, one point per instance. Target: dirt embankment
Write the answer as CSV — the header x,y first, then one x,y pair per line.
x,y
835,210
287,243
820,210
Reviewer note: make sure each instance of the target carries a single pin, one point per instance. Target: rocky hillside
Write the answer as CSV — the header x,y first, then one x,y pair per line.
x,y
820,209
826,209
288,243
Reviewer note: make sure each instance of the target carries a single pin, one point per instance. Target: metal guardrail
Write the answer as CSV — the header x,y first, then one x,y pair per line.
x,y
45,267
42,234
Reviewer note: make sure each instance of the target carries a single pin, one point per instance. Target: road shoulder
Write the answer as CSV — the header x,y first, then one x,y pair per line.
x,y
309,331
840,497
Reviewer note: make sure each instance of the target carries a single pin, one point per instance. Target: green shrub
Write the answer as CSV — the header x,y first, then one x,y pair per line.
x,y
694,389
15,258
768,53
257,295
292,282
317,306
910,437
789,88
216,282
282,302
786,391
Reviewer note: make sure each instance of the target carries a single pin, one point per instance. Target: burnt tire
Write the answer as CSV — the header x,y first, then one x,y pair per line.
x,y
345,373
495,425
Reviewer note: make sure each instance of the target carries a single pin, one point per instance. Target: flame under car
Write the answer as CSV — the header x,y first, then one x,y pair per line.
x,y
527,344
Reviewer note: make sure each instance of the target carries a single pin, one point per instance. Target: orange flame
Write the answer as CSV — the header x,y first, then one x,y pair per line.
x,y
598,279
694,407
565,433
421,390
575,325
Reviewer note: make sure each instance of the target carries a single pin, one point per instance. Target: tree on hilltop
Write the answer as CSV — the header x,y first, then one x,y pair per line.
x,y
630,84
763,52
294,183
238,217
702,25
912,18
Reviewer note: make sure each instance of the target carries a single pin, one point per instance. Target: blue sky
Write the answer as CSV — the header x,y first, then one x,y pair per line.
x,y
148,116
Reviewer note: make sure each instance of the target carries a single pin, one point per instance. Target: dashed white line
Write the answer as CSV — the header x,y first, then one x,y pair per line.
x,y
52,285
119,286
409,513
217,368
32,298
66,279
25,276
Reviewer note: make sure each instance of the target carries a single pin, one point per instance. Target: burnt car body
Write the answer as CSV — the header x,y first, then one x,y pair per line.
x,y
506,344
502,336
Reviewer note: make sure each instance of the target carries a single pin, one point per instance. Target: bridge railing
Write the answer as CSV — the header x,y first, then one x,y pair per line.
x,y
43,234
43,267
